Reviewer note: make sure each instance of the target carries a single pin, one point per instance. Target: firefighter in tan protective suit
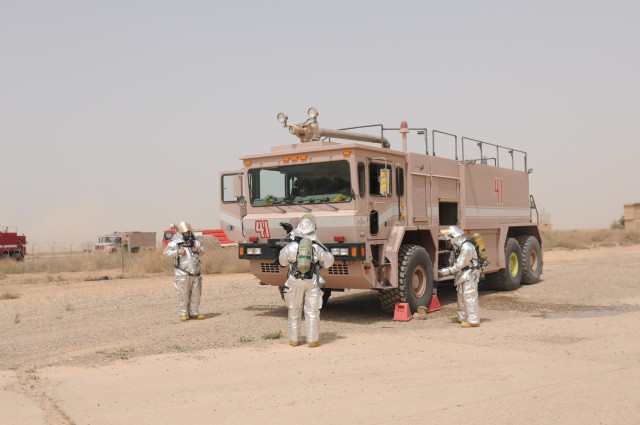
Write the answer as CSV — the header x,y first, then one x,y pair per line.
x,y
304,256
188,282
467,275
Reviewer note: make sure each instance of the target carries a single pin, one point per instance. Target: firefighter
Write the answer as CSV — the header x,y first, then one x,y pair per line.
x,y
188,282
303,286
467,275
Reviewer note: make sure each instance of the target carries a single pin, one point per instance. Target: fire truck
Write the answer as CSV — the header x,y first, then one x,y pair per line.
x,y
12,245
218,234
380,210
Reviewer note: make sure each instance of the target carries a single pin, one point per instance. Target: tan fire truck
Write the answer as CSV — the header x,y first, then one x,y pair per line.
x,y
380,210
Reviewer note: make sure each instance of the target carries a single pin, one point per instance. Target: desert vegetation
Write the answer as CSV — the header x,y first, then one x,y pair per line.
x,y
586,239
225,259
215,260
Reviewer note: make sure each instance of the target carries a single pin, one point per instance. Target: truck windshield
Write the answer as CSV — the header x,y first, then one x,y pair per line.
x,y
300,184
109,239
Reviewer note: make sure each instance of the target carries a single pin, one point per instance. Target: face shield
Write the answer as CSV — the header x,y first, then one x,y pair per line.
x,y
453,234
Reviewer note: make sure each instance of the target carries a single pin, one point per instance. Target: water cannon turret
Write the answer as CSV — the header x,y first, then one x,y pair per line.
x,y
310,130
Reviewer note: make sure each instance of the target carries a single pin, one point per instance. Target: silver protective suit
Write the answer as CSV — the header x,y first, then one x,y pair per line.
x,y
188,281
304,293
466,280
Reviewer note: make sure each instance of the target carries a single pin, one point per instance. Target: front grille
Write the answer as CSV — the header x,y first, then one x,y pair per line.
x,y
269,268
339,269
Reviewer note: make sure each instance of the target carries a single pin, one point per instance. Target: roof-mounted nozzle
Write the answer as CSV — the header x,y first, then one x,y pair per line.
x,y
310,130
282,119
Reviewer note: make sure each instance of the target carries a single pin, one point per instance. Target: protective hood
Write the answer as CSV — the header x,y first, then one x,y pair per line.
x,y
306,228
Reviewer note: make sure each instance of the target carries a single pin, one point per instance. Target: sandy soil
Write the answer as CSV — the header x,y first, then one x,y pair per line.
x,y
566,350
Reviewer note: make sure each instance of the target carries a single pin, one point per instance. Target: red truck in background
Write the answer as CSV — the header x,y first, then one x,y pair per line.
x,y
216,233
12,245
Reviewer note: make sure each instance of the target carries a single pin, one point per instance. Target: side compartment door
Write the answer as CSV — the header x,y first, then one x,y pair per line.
x,y
383,211
233,206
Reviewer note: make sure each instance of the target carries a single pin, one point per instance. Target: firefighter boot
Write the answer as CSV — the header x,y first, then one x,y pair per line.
x,y
197,317
183,318
469,325
314,344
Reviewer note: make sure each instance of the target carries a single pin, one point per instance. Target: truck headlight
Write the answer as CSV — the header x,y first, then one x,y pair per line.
x,y
341,252
254,251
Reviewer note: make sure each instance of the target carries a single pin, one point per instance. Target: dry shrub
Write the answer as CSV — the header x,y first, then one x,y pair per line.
x,y
585,239
223,260
216,259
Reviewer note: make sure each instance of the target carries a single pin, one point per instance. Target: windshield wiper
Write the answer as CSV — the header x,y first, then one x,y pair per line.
x,y
300,205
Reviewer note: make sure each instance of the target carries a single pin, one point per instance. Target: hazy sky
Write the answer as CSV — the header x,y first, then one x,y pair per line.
x,y
119,115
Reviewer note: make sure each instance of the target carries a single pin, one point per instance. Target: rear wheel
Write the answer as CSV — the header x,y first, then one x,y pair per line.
x,y
531,259
509,278
415,280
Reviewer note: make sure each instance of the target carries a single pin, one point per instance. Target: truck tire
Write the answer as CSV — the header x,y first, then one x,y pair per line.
x,y
509,278
326,294
531,259
415,280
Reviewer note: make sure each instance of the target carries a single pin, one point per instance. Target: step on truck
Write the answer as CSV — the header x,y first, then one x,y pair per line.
x,y
380,209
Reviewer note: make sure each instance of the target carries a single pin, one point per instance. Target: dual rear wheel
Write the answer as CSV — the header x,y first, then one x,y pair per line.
x,y
523,264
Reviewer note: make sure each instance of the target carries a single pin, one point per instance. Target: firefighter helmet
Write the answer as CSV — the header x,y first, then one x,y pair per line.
x,y
183,227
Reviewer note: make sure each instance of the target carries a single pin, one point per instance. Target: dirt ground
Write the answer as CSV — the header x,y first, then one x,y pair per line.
x,y
566,350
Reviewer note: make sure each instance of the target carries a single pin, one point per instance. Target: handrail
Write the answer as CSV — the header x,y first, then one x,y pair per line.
x,y
481,144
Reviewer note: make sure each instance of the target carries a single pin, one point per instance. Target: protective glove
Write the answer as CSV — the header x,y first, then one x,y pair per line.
x,y
443,273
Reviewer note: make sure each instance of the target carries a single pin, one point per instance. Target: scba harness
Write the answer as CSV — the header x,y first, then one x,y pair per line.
x,y
304,267
478,243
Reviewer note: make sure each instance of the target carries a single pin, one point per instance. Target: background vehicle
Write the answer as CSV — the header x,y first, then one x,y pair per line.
x,y
217,234
132,242
380,210
12,245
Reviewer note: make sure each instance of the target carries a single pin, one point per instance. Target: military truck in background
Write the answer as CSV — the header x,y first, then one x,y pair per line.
x,y
132,242
380,210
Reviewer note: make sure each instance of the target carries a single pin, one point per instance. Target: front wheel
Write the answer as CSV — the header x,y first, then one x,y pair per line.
x,y
415,280
509,278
